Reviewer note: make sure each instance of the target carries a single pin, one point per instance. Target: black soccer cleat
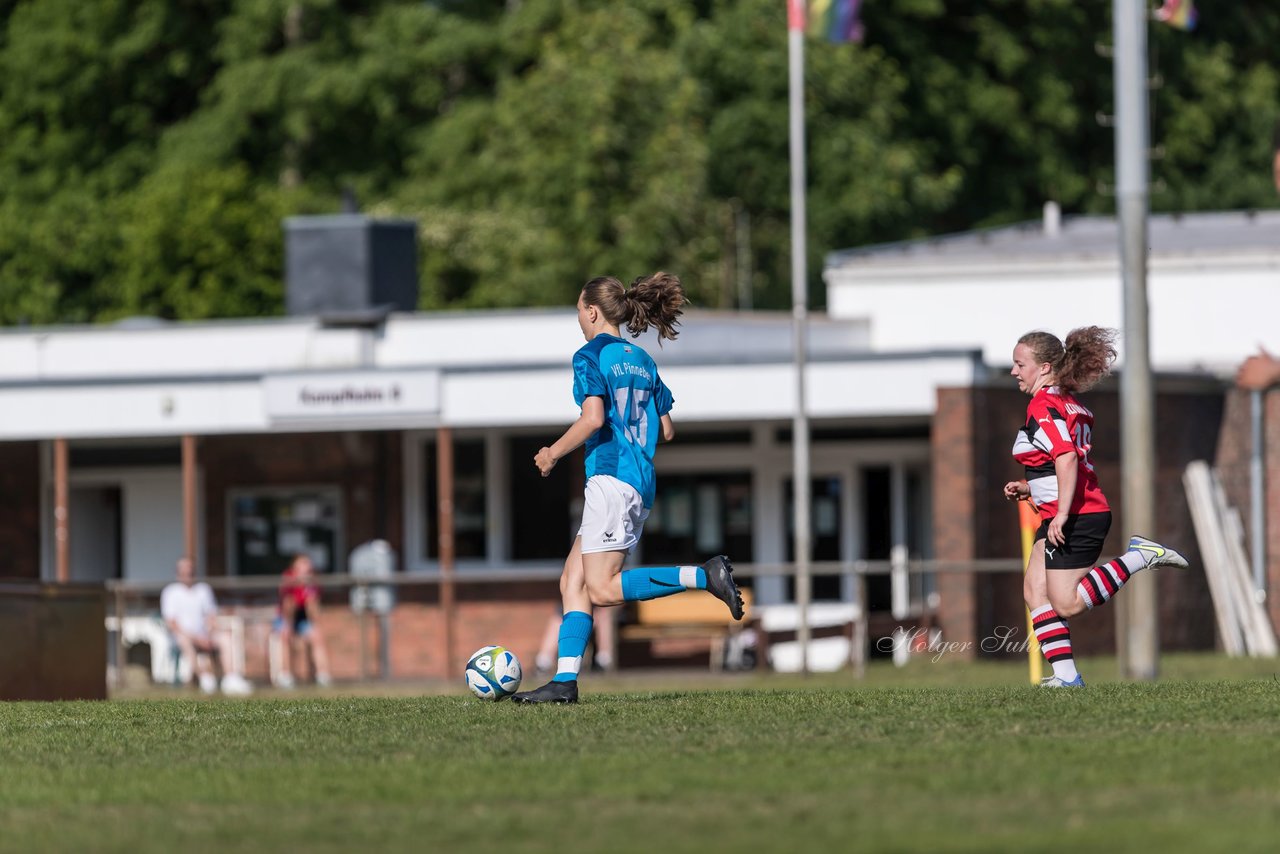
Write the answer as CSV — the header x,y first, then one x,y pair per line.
x,y
552,692
721,585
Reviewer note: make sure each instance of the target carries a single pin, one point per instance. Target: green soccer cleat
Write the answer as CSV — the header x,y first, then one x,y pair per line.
x,y
1156,555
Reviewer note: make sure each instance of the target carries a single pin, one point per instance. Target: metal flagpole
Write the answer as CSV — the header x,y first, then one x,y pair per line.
x,y
799,317
1136,625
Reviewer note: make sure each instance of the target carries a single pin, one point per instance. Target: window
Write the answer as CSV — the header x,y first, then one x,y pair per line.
x,y
878,502
697,516
920,533
545,511
877,527
824,510
470,517
267,527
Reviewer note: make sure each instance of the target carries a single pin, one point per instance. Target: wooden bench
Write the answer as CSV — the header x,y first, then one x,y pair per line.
x,y
693,615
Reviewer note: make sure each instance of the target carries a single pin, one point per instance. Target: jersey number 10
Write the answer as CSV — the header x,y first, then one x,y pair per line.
x,y
1084,441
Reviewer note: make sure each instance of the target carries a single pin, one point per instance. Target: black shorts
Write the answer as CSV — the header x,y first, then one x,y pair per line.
x,y
1083,534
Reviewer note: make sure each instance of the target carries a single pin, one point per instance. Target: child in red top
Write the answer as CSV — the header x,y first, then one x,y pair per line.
x,y
298,615
296,588
1053,446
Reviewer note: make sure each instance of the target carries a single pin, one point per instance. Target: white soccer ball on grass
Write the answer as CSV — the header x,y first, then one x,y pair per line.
x,y
493,673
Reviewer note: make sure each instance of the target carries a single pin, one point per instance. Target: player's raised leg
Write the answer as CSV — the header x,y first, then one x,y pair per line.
x,y
653,582
1155,554
612,521
1098,585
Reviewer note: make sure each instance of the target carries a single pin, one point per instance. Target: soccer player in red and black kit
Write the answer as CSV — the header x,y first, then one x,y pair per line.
x,y
1062,577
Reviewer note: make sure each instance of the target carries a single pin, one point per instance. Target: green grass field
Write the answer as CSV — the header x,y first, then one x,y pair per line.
x,y
929,758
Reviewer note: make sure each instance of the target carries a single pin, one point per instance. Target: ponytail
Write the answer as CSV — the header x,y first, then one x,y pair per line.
x,y
1080,362
1088,354
656,301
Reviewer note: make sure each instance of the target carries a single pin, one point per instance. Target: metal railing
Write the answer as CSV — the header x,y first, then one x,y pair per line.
x,y
127,598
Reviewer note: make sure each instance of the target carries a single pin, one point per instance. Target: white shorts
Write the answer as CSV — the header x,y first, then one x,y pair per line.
x,y
613,516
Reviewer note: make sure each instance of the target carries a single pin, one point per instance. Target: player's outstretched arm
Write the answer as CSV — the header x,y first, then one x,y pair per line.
x,y
591,420
668,428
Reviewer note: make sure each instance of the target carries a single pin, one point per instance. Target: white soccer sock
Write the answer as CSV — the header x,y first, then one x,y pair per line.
x,y
1054,637
1066,670
1136,560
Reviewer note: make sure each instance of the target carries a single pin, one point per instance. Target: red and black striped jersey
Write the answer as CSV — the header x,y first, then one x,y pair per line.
x,y
1058,423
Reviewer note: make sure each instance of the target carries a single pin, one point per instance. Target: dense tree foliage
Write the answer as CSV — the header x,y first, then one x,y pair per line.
x,y
151,147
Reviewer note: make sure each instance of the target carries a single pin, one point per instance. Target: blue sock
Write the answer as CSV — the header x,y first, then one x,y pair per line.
x,y
654,582
575,631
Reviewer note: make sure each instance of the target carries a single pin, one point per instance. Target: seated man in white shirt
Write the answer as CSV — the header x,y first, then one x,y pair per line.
x,y
188,608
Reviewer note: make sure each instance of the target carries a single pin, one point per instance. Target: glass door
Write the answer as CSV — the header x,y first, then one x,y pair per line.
x,y
894,521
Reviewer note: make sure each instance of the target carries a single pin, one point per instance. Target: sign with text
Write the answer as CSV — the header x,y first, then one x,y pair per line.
x,y
367,394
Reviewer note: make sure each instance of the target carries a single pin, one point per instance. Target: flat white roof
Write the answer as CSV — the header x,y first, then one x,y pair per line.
x,y
1077,239
1213,287
485,368
151,349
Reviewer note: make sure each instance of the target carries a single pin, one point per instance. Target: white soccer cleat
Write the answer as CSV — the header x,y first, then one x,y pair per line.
x,y
208,683
235,685
285,681
324,680
1155,554
1058,682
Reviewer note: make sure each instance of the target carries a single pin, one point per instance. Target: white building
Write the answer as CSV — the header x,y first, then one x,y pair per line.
x,y
1213,287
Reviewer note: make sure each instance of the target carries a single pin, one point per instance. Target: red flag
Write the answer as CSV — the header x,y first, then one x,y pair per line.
x,y
795,15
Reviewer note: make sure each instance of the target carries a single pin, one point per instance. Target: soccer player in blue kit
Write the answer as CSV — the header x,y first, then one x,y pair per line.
x,y
625,410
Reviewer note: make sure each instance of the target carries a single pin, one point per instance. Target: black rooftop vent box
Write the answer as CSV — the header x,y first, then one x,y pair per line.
x,y
350,265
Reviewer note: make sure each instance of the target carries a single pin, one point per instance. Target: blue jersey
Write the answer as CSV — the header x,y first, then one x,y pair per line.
x,y
635,399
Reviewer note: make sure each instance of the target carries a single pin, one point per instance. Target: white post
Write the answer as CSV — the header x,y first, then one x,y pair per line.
x,y
1137,629
900,583
799,318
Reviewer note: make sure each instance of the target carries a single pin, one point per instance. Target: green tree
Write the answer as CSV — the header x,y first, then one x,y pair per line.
x,y
87,90
1215,110
589,159
328,92
152,146
200,244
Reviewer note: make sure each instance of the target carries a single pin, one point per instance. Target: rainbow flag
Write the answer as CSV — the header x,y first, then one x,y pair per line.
x,y
1178,13
835,20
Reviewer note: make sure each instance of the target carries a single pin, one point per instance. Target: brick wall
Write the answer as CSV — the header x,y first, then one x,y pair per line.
x,y
19,510
512,614
365,466
954,448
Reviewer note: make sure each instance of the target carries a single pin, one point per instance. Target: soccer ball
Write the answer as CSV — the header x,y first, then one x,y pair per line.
x,y
493,673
